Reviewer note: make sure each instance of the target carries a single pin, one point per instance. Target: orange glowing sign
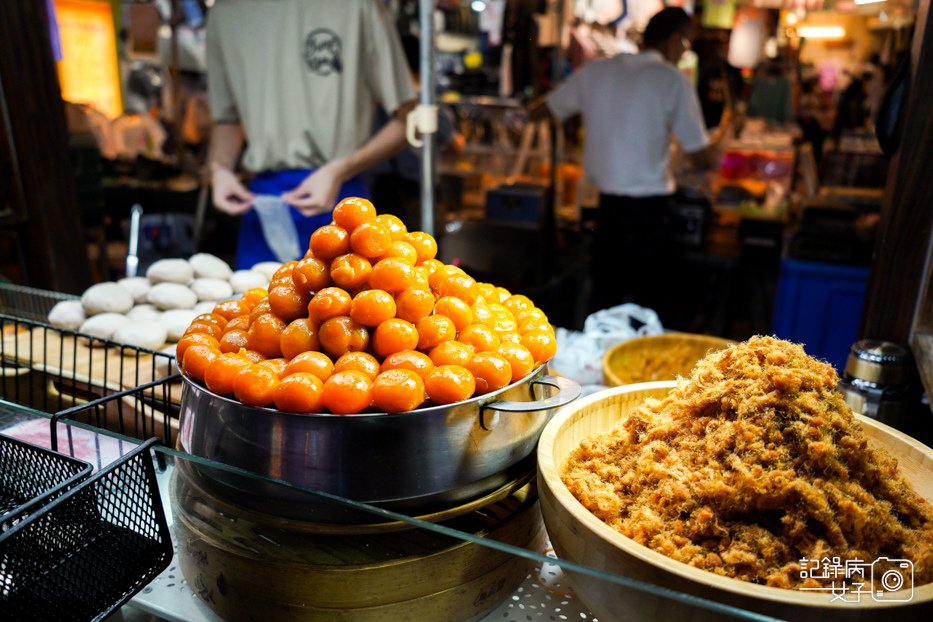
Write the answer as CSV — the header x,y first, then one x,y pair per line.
x,y
89,72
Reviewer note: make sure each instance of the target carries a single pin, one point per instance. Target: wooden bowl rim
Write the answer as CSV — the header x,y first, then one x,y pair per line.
x,y
549,474
610,374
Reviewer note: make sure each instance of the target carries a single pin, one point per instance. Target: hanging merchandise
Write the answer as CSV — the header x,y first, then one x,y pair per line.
x,y
748,38
718,13
603,12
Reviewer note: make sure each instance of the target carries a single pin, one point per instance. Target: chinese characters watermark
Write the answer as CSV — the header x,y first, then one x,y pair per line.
x,y
885,579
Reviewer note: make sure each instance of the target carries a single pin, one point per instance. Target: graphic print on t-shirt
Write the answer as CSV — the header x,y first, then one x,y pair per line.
x,y
322,52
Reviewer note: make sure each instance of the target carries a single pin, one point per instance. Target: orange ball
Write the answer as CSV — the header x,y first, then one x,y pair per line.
x,y
197,359
491,370
347,392
222,372
480,336
451,353
372,307
311,274
277,365
398,390
231,308
424,243
394,225
352,212
447,384
370,240
394,335
255,385
350,271
414,303
287,301
393,274
299,336
299,393
360,361
329,302
341,334
412,360
234,340
542,345
403,250
433,330
265,335
519,358
462,286
255,294
191,339
311,362
458,311
329,241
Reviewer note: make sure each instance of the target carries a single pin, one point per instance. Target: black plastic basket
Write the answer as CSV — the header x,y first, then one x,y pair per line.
x,y
31,476
87,552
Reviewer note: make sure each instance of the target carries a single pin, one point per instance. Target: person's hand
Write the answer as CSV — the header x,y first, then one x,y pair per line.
x,y
318,192
230,196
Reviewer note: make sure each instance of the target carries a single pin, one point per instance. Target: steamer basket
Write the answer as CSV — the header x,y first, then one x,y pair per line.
x,y
578,536
656,357
415,463
245,569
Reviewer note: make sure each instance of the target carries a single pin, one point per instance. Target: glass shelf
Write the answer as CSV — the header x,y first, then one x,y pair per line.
x,y
535,586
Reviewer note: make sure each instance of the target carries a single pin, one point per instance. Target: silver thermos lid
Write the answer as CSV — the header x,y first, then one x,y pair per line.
x,y
880,363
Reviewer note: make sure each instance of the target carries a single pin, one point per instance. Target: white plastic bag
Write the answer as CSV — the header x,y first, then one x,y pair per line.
x,y
278,228
580,354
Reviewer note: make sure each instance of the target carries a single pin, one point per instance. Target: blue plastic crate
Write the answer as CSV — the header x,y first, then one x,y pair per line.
x,y
820,306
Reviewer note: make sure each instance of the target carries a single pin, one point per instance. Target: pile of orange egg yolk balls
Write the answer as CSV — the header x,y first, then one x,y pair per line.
x,y
367,321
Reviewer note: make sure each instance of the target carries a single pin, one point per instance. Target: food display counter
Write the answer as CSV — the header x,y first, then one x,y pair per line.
x,y
445,510
485,559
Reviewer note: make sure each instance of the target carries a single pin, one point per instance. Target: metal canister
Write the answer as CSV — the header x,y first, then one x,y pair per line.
x,y
876,381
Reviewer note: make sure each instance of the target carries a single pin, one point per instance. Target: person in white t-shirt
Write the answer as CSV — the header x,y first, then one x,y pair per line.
x,y
632,104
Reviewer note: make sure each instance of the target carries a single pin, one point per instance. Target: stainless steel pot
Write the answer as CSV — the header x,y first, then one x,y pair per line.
x,y
410,462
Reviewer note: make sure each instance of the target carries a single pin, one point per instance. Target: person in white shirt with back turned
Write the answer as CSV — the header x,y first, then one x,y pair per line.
x,y
632,104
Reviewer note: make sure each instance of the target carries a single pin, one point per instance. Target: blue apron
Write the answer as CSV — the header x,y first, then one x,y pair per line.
x,y
251,245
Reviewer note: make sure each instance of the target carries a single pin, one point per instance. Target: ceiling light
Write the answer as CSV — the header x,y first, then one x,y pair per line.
x,y
821,32
478,5
869,1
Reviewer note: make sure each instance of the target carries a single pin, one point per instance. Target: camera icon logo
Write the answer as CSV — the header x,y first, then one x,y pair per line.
x,y
889,577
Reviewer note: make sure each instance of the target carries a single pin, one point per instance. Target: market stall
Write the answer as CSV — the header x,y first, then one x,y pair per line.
x,y
381,429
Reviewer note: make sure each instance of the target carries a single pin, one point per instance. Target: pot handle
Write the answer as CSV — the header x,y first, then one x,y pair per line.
x,y
567,391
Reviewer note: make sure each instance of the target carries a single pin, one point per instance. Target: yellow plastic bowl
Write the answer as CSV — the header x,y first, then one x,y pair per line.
x,y
656,357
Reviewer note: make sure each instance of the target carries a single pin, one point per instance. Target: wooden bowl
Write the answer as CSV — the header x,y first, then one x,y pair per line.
x,y
578,536
656,357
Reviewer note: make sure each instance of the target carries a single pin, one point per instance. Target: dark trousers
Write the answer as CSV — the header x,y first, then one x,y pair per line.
x,y
632,255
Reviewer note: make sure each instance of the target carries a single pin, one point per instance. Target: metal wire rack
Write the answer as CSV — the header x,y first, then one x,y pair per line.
x,y
56,371
28,302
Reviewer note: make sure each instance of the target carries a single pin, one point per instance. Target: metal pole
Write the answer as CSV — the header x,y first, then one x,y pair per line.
x,y
426,69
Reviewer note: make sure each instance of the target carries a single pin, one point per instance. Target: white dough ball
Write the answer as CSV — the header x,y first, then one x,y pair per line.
x,y
68,314
136,285
207,266
176,322
267,269
144,313
148,335
106,298
170,271
211,289
172,296
104,325
204,307
242,280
